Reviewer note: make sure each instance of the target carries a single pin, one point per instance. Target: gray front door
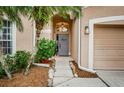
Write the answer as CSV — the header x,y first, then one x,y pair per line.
x,y
63,45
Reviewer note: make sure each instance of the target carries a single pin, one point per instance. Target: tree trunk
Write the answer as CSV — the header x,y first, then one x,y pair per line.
x,y
39,27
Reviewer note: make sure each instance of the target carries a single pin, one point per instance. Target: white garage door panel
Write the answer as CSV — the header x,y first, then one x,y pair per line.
x,y
107,64
107,36
109,58
109,30
109,53
109,48
109,42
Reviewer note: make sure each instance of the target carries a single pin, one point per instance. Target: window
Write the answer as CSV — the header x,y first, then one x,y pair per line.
x,y
62,27
6,37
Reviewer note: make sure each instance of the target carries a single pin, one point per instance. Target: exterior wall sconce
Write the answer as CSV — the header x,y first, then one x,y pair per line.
x,y
86,30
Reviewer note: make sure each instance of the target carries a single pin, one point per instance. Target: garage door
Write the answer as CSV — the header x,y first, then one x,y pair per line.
x,y
109,47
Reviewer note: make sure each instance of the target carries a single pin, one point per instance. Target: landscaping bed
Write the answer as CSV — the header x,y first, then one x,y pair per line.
x,y
37,77
81,73
24,69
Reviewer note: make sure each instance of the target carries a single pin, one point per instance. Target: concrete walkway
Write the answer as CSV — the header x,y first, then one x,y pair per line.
x,y
83,82
63,71
63,76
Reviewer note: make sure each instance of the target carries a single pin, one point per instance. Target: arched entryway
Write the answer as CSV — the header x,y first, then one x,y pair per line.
x,y
62,34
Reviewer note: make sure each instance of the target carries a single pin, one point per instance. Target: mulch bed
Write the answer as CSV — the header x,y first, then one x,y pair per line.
x,y
37,77
83,74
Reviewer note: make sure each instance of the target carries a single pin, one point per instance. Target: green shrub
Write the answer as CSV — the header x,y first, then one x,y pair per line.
x,y
16,62
22,58
2,72
10,61
46,49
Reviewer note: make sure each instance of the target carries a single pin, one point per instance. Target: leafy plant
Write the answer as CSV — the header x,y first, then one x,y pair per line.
x,y
46,49
43,14
2,72
10,61
22,58
13,14
15,62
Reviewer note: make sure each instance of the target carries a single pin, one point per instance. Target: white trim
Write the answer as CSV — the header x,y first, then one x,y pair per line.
x,y
79,43
13,37
41,64
91,27
90,63
84,7
79,49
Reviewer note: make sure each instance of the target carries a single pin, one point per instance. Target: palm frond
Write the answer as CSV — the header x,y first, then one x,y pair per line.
x,y
12,12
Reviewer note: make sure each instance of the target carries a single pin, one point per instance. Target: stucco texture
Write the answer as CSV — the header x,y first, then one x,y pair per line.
x,y
24,39
92,13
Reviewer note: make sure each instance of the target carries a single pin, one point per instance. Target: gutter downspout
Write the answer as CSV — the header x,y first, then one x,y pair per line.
x,y
79,50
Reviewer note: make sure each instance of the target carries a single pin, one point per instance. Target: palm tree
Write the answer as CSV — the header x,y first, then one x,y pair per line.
x,y
43,14
12,13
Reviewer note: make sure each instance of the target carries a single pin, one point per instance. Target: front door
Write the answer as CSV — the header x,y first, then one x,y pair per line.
x,y
63,45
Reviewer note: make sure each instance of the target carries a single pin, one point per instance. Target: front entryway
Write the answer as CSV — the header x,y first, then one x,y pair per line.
x,y
62,33
63,44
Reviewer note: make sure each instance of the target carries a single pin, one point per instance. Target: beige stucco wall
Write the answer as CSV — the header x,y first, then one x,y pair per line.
x,y
91,13
24,39
47,31
74,42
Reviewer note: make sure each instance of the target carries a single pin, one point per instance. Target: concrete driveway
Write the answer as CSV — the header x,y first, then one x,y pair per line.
x,y
112,78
